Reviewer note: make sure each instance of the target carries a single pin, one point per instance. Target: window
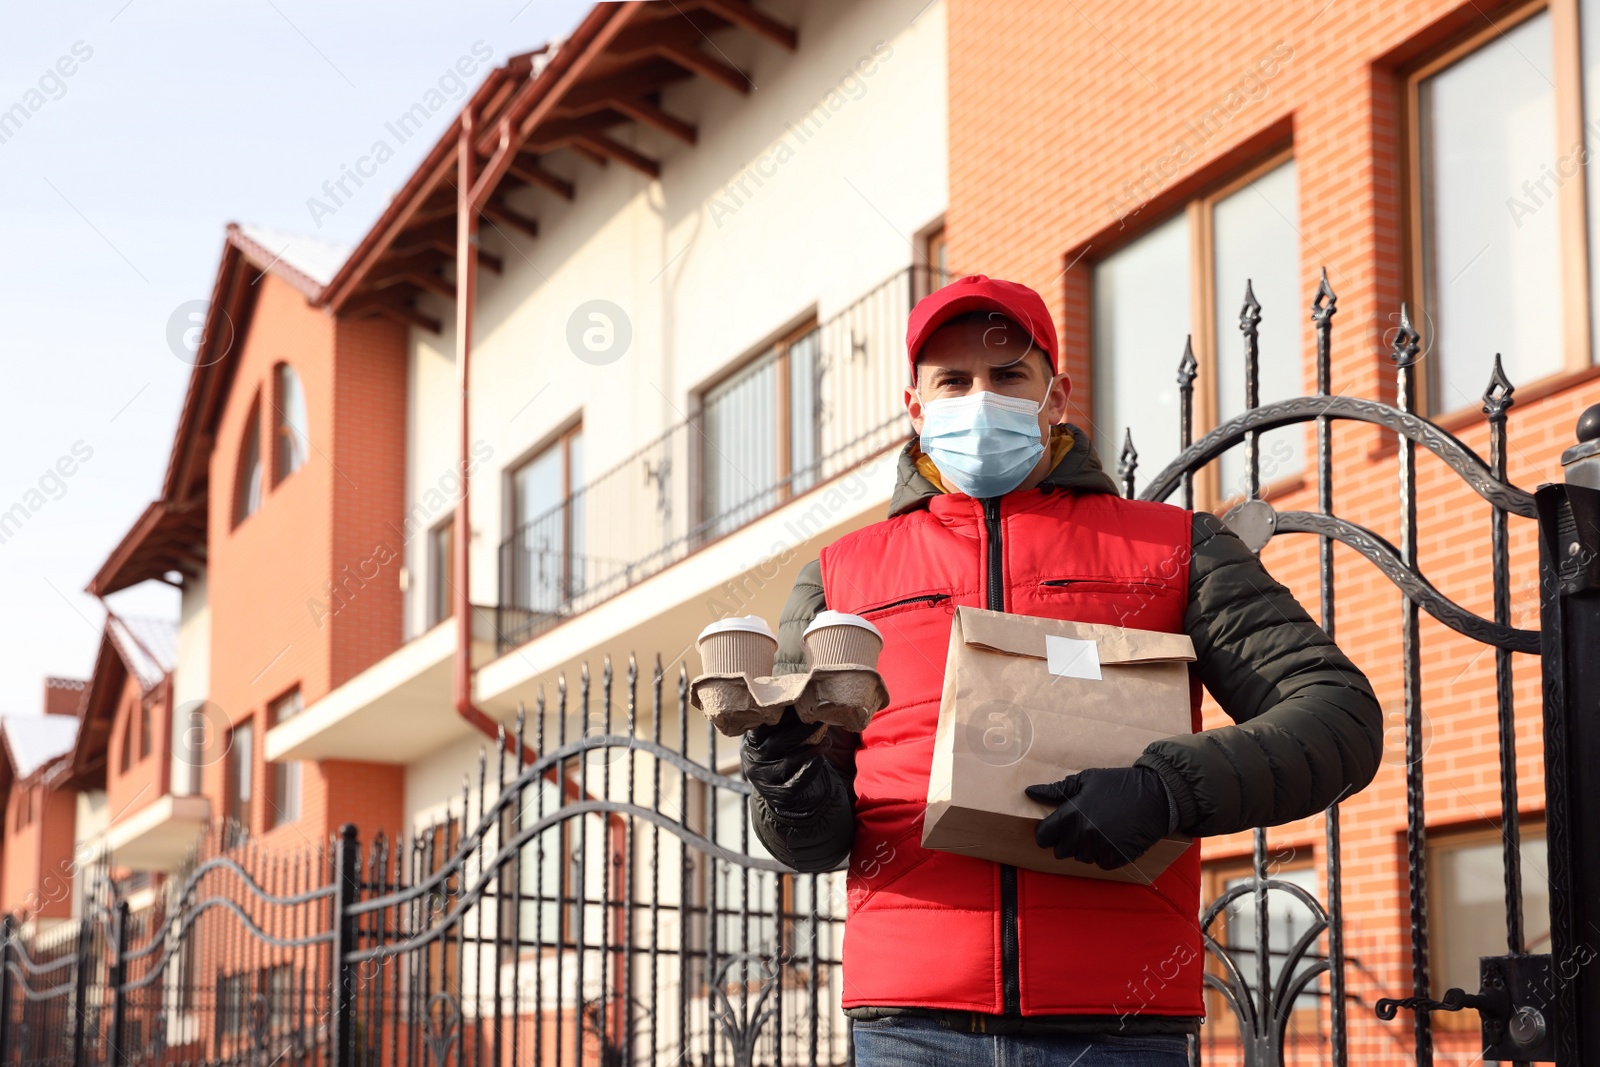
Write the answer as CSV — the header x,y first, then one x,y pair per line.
x,y
125,757
1466,876
286,774
241,768
247,481
1234,930
146,734
759,426
1186,279
231,992
1491,211
548,567
933,272
291,430
441,604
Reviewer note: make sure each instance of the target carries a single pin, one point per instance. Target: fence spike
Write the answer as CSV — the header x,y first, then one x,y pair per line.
x,y
1407,342
1127,463
1497,396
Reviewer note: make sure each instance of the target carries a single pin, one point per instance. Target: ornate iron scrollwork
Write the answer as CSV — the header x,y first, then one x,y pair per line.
x,y
742,1032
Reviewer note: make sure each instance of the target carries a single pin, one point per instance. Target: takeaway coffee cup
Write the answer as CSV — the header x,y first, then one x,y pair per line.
x,y
835,637
743,645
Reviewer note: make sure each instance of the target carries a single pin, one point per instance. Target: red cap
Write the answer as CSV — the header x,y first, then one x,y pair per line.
x,y
977,293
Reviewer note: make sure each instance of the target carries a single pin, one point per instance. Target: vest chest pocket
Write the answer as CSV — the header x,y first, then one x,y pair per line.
x,y
910,603
1129,596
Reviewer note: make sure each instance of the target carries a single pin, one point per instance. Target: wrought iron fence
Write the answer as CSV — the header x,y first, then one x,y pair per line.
x,y
811,408
602,902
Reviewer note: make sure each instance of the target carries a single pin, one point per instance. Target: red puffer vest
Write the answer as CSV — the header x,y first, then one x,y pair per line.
x,y
940,930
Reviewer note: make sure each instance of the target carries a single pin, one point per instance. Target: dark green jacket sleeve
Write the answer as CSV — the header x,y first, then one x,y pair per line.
x,y
1309,729
803,774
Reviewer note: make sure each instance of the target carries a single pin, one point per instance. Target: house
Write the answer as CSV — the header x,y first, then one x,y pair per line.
x,y
37,861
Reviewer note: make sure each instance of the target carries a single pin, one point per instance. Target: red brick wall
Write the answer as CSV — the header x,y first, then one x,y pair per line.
x,y
36,880
1054,108
276,622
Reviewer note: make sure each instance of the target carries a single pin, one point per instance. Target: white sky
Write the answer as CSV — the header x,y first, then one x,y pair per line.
x,y
187,114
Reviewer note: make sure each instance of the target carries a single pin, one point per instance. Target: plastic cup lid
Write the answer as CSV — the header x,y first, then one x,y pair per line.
x,y
841,618
754,624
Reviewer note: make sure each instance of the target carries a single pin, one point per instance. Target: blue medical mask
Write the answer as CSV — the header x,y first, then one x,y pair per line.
x,y
983,443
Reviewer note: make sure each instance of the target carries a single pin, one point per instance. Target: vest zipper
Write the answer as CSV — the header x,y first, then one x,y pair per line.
x,y
1010,966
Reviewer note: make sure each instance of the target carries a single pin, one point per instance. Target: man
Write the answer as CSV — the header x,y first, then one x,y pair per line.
x,y
1001,505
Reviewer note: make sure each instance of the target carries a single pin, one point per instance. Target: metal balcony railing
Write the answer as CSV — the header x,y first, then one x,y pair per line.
x,y
821,402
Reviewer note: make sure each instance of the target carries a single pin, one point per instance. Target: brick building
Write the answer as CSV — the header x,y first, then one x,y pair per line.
x,y
1137,168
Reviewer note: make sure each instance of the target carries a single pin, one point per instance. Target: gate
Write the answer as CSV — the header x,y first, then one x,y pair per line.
x,y
594,895
1532,1006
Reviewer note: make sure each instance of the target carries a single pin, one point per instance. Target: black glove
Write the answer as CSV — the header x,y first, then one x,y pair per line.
x,y
1107,816
788,735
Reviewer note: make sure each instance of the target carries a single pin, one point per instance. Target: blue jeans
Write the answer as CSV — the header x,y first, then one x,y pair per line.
x,y
909,1041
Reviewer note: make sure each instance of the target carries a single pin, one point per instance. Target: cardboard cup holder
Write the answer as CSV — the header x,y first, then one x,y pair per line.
x,y
845,695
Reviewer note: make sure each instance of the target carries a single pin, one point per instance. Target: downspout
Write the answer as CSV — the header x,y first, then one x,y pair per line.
x,y
466,302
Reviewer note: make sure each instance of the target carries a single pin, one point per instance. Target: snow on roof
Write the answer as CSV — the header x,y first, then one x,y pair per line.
x,y
313,257
149,647
35,740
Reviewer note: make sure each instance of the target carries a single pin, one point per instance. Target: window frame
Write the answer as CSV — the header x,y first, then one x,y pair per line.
x,y
1447,840
561,439
241,480
1199,212
778,346
241,809
1221,1023
440,604
280,421
1571,198
285,772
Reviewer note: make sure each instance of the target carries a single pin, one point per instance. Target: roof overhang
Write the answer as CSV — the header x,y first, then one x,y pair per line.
x,y
566,101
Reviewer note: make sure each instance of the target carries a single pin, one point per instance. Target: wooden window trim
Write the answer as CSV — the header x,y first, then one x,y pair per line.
x,y
1220,1020
1573,254
1200,211
561,439
783,420
1441,840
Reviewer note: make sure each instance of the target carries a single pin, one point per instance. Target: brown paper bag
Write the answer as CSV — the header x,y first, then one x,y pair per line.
x,y
1030,700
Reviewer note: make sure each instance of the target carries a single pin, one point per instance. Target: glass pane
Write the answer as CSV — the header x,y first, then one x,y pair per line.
x,y
293,428
740,447
247,488
1490,234
1288,919
440,603
540,532
1472,920
1255,233
1141,318
578,563
243,766
804,413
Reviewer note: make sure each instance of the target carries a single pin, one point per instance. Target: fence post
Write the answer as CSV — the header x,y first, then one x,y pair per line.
x,y
117,979
8,930
80,1010
347,868
1569,561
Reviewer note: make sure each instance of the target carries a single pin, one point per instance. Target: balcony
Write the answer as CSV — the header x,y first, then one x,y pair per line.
x,y
816,405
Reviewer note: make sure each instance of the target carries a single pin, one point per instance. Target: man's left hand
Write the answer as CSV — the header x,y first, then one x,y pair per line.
x,y
1105,816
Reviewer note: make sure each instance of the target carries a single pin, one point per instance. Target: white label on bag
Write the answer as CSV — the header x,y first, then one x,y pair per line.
x,y
1072,658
